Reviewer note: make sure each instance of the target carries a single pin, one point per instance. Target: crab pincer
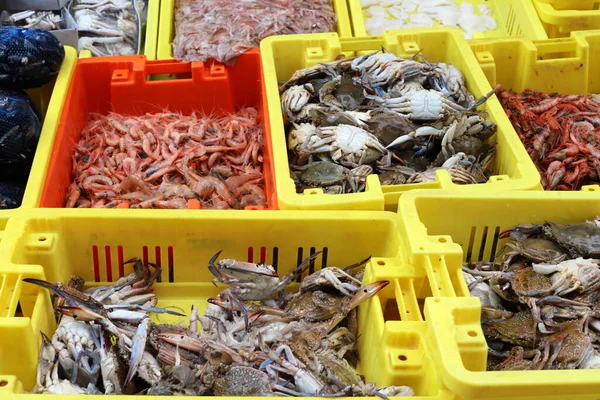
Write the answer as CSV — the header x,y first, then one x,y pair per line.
x,y
137,349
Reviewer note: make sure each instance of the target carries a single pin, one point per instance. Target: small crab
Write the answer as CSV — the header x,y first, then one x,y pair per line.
x,y
295,98
333,278
567,349
389,126
581,240
329,175
426,105
568,276
469,132
457,174
516,328
346,144
453,81
534,249
516,360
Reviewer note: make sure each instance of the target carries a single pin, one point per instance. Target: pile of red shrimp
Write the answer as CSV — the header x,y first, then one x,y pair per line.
x,y
164,160
224,29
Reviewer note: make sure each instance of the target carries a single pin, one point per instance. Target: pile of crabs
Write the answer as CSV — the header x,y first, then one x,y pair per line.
x,y
253,339
540,304
402,119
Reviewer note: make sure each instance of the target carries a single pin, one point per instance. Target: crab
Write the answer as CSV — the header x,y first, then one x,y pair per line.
x,y
568,276
580,240
478,288
461,129
537,250
516,328
426,105
534,249
452,82
385,68
567,349
327,69
332,177
345,144
516,360
458,175
295,98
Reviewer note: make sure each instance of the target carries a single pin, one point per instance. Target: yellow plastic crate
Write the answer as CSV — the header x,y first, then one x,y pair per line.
x,y
561,17
514,18
283,55
444,230
150,36
166,32
48,100
55,244
565,65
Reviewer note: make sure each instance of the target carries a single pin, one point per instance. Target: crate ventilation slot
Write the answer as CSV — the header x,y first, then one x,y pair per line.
x,y
483,244
155,256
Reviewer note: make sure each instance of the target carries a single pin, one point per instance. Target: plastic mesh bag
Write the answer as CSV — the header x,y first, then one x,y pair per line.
x,y
28,57
11,195
19,130
224,29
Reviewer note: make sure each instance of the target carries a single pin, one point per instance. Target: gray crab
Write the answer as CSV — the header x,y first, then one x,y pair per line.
x,y
581,240
332,177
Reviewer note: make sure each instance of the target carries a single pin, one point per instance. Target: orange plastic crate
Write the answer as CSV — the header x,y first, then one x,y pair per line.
x,y
127,85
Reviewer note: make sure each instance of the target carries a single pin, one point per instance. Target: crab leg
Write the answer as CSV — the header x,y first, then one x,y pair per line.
x,y
137,349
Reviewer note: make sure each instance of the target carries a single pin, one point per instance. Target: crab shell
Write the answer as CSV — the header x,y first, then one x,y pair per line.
x,y
350,144
581,239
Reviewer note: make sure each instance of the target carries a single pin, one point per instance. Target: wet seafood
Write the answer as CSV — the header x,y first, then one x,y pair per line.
x,y
539,303
109,27
222,30
45,20
403,118
249,345
163,160
382,15
560,134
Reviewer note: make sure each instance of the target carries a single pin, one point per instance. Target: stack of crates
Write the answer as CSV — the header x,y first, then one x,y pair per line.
x,y
424,329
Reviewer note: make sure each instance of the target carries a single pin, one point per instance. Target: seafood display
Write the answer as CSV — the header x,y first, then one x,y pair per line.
x,y
253,339
560,134
163,160
400,118
109,27
381,15
223,29
45,20
539,302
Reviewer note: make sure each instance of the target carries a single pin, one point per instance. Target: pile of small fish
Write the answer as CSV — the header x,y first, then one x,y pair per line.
x,y
224,29
255,339
540,303
109,27
561,135
382,15
45,20
343,117
163,160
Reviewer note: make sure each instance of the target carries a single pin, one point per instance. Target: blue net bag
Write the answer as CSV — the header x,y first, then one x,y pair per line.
x,y
28,57
11,194
19,133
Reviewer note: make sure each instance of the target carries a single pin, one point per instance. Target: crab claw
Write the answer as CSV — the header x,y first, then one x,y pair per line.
x,y
80,313
366,292
213,268
521,231
51,286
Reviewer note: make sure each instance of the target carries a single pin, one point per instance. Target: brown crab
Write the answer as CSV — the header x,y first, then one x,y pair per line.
x,y
516,328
